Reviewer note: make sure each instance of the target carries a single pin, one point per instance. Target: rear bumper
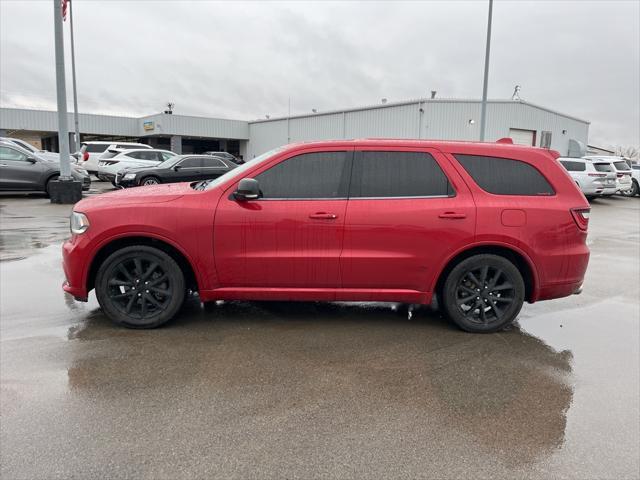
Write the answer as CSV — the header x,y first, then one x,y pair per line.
x,y
559,290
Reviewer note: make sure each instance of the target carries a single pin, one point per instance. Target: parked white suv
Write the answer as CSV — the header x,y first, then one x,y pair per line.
x,y
594,178
112,161
90,152
623,172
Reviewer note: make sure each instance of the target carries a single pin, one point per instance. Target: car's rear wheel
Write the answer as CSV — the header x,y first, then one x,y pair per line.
x,y
47,187
140,287
150,181
483,293
633,191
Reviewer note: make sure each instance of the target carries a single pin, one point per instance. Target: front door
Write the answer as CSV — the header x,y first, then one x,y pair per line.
x,y
17,172
291,237
405,217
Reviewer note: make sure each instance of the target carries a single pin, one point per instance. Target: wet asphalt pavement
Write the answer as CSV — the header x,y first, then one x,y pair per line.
x,y
286,390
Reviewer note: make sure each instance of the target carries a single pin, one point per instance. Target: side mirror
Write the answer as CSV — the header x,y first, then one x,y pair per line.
x,y
248,189
177,168
31,160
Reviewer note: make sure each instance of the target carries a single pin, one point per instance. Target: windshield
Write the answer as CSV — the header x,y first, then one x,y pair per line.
x,y
244,167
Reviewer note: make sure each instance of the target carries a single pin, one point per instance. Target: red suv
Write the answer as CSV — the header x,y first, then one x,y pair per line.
x,y
484,226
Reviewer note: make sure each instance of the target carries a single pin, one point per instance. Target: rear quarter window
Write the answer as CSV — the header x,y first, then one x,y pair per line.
x,y
93,148
503,176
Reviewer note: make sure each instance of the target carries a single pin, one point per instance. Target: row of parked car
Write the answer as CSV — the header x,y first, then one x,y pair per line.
x,y
132,164
603,176
128,164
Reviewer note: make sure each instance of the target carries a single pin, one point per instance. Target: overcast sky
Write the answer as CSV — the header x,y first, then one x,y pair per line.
x,y
244,60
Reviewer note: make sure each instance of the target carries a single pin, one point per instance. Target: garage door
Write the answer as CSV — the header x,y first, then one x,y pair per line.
x,y
523,137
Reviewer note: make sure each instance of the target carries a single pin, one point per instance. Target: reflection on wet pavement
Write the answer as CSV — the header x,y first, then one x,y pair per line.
x,y
259,389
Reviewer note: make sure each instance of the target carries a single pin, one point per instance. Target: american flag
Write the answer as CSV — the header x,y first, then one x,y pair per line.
x,y
64,9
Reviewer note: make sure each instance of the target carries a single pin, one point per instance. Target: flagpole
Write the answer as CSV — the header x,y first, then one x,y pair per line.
x,y
73,76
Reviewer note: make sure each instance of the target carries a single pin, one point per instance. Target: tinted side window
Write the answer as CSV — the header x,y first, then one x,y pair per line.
x,y
503,176
573,166
213,162
398,174
191,162
310,175
621,165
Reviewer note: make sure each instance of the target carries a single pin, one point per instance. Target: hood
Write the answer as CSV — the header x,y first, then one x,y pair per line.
x,y
138,196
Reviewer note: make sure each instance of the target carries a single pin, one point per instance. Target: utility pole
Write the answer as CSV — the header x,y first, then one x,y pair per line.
x,y
65,190
483,114
73,76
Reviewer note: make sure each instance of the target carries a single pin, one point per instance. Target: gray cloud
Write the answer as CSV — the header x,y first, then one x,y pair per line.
x,y
244,60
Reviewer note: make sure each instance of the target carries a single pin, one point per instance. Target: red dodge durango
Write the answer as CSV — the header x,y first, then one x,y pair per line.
x,y
482,226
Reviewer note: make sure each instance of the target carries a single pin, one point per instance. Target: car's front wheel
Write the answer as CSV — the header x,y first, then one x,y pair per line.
x,y
150,181
483,293
140,287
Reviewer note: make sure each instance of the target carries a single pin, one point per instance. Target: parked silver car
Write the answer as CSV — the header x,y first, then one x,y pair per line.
x,y
25,171
112,161
55,157
592,177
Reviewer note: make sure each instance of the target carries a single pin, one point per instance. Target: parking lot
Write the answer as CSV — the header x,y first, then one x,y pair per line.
x,y
307,390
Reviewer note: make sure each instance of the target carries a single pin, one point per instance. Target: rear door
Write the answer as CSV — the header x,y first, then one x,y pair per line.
x,y
405,216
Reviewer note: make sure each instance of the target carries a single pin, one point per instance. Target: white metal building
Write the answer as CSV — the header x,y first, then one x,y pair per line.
x,y
443,119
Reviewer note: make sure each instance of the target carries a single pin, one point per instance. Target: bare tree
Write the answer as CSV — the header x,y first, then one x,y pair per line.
x,y
632,153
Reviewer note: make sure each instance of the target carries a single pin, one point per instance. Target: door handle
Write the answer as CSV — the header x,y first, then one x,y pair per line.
x,y
3,165
452,215
323,216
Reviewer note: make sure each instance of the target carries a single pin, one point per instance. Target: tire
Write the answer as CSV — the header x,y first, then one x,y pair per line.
x,y
129,302
150,181
47,186
634,190
492,277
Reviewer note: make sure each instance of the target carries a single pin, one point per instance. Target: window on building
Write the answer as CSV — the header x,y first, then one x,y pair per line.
x,y
310,175
503,176
573,166
545,139
398,174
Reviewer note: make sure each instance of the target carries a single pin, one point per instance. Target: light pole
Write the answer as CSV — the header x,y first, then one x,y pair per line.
x,y
483,113
73,77
65,189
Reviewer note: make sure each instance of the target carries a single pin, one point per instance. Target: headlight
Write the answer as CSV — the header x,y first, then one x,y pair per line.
x,y
129,176
79,223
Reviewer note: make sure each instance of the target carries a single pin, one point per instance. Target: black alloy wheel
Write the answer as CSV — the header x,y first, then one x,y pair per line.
x,y
140,287
484,293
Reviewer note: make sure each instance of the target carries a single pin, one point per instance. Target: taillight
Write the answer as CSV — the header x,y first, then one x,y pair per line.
x,y
581,217
620,175
85,156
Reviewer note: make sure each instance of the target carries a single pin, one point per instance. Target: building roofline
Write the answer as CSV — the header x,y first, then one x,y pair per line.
x,y
415,102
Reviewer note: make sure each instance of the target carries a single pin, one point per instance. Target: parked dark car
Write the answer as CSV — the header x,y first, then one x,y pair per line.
x,y
181,168
25,171
226,156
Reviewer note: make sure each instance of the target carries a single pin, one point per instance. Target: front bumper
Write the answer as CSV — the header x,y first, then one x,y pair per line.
x,y
121,182
73,269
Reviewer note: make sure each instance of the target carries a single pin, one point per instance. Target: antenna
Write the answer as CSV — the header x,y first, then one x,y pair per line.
x,y
516,93
169,109
433,94
384,100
